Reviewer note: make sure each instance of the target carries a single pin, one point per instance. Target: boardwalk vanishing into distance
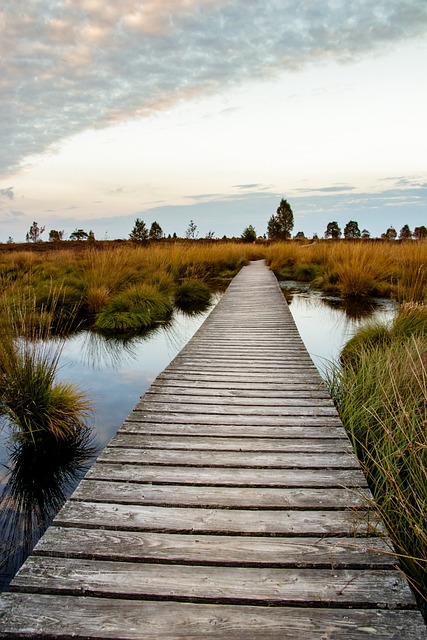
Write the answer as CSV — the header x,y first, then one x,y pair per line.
x,y
229,505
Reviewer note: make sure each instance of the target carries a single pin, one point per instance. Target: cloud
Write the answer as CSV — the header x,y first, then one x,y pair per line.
x,y
344,188
72,66
7,193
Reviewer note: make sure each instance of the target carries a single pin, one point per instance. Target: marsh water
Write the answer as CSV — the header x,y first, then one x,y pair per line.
x,y
115,373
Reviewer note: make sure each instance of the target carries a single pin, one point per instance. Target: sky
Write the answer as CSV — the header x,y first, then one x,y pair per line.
x,y
212,111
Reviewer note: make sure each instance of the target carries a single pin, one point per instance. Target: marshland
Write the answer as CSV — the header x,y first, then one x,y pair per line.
x,y
124,292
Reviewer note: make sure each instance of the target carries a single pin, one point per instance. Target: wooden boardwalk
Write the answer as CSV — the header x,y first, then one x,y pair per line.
x,y
229,505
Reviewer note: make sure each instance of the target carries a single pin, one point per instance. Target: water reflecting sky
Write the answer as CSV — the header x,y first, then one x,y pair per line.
x,y
326,322
115,373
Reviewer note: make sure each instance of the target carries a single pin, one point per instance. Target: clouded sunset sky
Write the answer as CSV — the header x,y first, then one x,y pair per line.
x,y
212,111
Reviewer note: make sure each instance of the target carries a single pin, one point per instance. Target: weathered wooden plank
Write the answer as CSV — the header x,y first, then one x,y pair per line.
x,y
205,443
231,410
227,370
219,389
216,521
213,459
241,375
253,551
223,497
42,616
234,420
330,587
237,431
214,381
208,398
335,478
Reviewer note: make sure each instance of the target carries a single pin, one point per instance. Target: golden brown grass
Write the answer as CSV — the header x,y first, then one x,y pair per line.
x,y
360,268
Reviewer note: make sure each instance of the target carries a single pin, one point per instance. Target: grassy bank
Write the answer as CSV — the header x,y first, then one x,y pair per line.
x,y
124,288
381,395
355,268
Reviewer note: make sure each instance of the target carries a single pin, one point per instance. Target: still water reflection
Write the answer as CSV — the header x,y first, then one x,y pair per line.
x,y
115,373
326,322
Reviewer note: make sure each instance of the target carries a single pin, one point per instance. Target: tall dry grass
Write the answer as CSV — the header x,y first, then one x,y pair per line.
x,y
381,395
360,268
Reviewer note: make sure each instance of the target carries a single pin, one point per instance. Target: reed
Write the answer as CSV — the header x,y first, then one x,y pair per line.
x,y
360,268
381,395
33,403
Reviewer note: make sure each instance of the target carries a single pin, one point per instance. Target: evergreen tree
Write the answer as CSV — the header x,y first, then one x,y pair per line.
x,y
420,233
333,231
351,230
139,232
249,234
156,231
390,234
405,233
280,225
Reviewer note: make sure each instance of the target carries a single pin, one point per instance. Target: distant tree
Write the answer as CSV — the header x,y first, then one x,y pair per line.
x,y
191,232
174,236
78,234
10,240
56,236
333,231
139,232
249,234
280,226
405,233
300,236
420,233
210,235
273,229
365,234
91,236
351,230
156,231
390,234
34,233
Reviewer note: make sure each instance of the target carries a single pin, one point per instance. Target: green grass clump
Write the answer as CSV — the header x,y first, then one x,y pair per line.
x,y
368,338
381,395
32,403
192,294
134,310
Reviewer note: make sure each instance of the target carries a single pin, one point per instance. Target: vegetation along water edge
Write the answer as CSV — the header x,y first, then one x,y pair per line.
x,y
126,288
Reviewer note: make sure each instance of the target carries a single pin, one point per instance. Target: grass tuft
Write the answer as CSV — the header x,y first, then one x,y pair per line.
x,y
192,294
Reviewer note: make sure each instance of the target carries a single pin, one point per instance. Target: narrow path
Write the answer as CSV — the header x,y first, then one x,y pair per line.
x,y
229,505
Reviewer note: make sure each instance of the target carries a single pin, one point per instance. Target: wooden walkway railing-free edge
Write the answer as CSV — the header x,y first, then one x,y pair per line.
x,y
229,505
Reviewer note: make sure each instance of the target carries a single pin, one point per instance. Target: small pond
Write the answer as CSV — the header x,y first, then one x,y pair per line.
x,y
115,373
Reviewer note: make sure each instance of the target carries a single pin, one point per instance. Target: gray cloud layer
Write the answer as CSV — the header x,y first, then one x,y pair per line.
x,y
68,65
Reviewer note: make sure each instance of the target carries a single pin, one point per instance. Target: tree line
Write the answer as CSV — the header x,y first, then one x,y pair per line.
x,y
279,227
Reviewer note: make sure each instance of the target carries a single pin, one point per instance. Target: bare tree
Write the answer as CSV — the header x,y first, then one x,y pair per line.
x,y
34,233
